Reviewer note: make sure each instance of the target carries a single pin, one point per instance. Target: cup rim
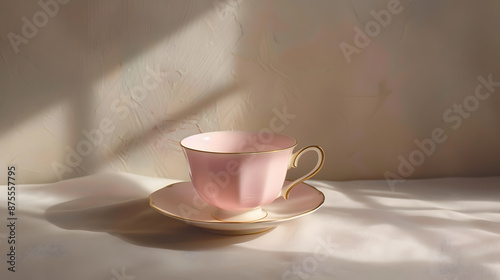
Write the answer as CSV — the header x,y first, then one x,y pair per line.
x,y
239,153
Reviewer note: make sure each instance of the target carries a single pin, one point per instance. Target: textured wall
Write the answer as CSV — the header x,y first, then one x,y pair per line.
x,y
389,88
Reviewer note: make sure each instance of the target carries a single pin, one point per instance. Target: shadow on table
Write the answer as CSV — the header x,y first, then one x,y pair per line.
x,y
437,214
445,265
128,217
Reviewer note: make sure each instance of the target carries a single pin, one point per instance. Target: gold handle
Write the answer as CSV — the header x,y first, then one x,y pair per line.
x,y
293,163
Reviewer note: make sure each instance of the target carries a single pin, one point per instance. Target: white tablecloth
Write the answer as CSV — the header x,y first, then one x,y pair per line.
x,y
101,227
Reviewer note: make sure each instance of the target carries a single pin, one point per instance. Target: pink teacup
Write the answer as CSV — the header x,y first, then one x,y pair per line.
x,y
239,172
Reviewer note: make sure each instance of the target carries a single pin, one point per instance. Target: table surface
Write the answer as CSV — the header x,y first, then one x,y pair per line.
x,y
102,227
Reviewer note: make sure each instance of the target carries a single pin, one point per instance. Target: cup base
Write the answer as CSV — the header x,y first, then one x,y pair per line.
x,y
239,216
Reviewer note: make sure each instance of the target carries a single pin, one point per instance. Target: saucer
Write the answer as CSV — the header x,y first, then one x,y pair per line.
x,y
180,201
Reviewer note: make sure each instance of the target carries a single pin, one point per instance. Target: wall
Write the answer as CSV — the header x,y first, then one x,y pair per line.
x,y
390,89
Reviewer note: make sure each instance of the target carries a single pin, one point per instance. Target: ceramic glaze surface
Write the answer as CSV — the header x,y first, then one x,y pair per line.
x,y
305,199
237,181
238,142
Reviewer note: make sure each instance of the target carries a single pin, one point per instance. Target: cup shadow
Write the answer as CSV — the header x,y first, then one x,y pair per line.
x,y
132,220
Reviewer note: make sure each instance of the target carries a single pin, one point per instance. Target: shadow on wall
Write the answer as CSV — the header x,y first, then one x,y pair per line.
x,y
366,110
56,52
89,41
367,105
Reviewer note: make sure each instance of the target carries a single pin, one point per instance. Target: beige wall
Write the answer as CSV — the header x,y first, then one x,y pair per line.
x,y
93,86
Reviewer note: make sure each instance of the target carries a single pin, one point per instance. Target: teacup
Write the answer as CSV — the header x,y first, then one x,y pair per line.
x,y
239,172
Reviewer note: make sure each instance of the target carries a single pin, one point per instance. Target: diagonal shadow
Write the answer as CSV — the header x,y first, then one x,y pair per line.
x,y
149,133
96,38
420,208
135,222
88,41
115,204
